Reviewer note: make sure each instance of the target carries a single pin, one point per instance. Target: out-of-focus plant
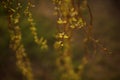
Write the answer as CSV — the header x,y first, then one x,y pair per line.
x,y
16,45
70,19
14,8
40,41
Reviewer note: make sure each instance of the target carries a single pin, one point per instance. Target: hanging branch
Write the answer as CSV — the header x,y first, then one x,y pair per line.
x,y
16,45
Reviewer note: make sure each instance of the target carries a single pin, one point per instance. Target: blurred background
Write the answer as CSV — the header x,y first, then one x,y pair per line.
x,y
106,23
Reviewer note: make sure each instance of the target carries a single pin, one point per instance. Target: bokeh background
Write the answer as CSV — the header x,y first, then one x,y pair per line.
x,y
106,24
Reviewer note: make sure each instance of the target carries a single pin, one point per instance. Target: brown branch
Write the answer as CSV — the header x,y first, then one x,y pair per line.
x,y
90,14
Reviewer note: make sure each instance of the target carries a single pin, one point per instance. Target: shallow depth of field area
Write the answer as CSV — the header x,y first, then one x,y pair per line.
x,y
59,40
